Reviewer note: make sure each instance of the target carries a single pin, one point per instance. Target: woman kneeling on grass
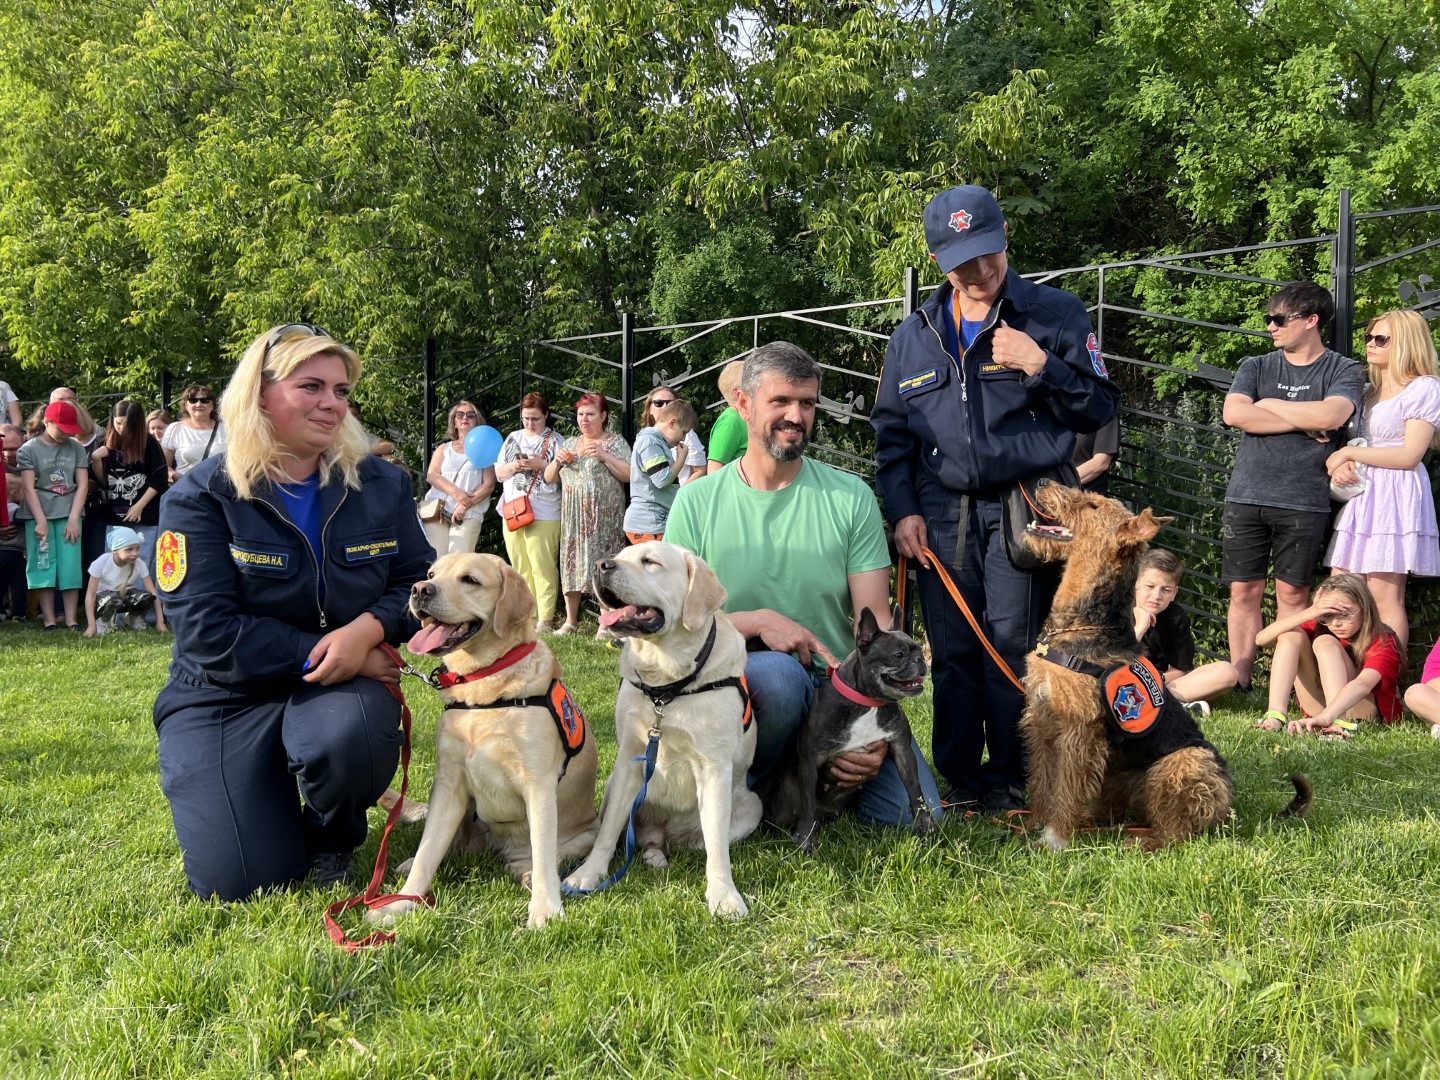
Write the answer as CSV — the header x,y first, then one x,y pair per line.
x,y
1342,662
284,564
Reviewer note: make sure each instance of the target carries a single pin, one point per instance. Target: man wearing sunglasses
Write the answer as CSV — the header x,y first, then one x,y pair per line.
x,y
1289,406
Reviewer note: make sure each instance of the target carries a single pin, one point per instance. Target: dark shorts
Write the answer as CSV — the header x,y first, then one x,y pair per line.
x,y
1254,533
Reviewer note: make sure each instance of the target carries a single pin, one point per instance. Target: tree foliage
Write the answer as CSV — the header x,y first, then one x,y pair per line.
x,y
176,175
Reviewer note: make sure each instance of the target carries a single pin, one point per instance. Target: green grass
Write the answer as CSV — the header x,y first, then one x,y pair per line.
x,y
1300,949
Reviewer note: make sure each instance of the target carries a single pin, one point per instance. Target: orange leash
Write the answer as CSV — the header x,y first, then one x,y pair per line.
x,y
372,897
964,610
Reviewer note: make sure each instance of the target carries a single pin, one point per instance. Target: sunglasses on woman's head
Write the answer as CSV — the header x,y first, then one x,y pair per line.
x,y
1380,341
290,332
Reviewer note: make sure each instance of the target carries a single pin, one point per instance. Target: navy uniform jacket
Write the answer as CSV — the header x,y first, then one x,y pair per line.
x,y
247,609
976,426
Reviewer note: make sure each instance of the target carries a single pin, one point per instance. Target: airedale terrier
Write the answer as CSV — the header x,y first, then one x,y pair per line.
x,y
1104,738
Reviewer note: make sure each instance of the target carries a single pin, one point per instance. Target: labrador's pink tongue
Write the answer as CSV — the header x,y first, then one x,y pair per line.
x,y
429,638
608,618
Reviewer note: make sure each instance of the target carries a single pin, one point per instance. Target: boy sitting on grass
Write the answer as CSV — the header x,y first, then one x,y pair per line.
x,y
656,465
1163,628
113,598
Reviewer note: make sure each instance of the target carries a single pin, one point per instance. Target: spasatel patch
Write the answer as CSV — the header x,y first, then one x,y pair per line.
x,y
170,562
1134,694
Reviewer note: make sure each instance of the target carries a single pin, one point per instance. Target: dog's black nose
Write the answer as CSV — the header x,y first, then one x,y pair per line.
x,y
423,588
604,566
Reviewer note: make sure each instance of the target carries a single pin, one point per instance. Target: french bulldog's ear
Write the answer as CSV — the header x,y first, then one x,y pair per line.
x,y
705,594
515,607
867,628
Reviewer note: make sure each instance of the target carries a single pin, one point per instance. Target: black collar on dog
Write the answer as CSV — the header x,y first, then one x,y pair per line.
x,y
1066,660
660,696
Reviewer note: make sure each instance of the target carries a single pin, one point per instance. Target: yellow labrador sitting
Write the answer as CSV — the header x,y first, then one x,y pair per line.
x,y
510,744
680,650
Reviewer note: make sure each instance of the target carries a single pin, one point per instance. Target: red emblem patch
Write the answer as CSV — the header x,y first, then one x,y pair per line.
x,y
1134,694
960,220
1092,346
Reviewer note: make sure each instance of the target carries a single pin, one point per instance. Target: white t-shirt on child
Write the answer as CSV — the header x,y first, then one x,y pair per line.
x,y
116,578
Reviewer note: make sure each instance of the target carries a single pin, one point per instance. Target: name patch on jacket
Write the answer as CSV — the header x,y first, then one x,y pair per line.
x,y
278,561
915,382
374,549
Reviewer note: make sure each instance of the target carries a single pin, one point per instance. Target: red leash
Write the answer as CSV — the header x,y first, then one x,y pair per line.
x,y
372,897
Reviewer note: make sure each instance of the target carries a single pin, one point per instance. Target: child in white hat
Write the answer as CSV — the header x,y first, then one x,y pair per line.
x,y
121,591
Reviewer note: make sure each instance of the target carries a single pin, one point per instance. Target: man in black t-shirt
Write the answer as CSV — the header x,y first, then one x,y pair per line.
x,y
1289,406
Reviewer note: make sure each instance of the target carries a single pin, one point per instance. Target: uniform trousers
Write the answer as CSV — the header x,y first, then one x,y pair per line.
x,y
235,770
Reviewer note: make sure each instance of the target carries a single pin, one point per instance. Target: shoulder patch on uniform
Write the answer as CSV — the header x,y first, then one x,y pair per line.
x,y
1092,346
170,560
915,382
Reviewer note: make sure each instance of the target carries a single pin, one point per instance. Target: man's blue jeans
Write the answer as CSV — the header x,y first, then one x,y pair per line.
x,y
781,692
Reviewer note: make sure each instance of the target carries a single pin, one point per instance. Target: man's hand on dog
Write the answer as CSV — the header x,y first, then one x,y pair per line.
x,y
785,635
857,767
350,651
911,537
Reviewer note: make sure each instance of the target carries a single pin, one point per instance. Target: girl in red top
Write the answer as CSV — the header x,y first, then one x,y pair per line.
x,y
1342,662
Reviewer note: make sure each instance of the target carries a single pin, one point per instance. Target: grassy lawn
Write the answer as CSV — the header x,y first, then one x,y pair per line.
x,y
1300,949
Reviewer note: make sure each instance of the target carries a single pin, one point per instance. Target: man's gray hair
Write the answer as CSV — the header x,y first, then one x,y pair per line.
x,y
789,361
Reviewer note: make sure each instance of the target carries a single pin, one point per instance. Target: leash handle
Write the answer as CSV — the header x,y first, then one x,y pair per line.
x,y
954,592
652,749
372,897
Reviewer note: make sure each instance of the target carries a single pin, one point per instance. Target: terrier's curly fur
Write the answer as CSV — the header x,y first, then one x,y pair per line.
x,y
1080,765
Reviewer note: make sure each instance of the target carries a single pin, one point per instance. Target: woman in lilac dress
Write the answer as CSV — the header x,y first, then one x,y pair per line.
x,y
1388,530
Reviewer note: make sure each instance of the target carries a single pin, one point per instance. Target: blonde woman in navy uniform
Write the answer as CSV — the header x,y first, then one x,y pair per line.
x,y
284,564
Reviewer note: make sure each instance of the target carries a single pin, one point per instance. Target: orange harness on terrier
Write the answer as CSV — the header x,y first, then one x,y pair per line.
x,y
1133,693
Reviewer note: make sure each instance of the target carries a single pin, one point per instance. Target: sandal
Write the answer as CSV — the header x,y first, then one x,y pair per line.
x,y
1335,732
1273,720
567,628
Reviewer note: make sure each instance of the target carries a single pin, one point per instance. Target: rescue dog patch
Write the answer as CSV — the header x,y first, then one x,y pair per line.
x,y
170,562
1134,694
276,561
915,382
373,549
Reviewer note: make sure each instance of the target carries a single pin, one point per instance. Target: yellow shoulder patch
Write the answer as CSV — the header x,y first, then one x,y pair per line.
x,y
170,563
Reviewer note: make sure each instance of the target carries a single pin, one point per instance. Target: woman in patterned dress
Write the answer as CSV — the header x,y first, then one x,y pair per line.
x,y
1389,530
593,469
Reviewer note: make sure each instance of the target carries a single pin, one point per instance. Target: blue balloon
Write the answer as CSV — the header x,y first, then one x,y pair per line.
x,y
482,446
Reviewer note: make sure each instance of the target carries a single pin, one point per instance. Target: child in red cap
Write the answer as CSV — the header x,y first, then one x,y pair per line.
x,y
54,481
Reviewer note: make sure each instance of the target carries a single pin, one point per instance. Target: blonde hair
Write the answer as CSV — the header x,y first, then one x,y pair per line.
x,y
1371,628
251,452
1412,354
729,380
680,410
451,431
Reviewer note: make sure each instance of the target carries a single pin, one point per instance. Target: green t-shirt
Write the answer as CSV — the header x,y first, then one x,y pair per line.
x,y
55,466
729,437
791,550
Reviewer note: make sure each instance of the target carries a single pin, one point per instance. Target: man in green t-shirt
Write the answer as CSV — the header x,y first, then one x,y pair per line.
x,y
800,548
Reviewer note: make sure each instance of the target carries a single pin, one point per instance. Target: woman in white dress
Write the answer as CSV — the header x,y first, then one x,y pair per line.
x,y
462,490
197,435
1389,530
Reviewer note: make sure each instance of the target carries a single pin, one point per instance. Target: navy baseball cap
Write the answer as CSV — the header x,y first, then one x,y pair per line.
x,y
962,223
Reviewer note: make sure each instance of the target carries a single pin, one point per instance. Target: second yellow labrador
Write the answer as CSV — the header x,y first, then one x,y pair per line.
x,y
665,603
510,745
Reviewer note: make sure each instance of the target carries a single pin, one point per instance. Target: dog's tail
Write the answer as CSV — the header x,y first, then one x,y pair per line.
x,y
1304,796
413,810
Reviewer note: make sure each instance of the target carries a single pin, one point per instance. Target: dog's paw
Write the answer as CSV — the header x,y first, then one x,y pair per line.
x,y
924,823
1054,840
387,915
726,902
584,879
805,838
542,911
655,856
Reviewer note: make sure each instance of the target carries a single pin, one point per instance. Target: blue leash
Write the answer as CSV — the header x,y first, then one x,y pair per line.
x,y
652,748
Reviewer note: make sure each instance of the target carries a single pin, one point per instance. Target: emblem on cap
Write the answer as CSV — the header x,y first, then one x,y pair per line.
x,y
960,220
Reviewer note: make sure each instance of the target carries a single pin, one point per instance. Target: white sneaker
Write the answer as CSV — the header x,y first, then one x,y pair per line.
x,y
1199,708
542,627
1435,731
